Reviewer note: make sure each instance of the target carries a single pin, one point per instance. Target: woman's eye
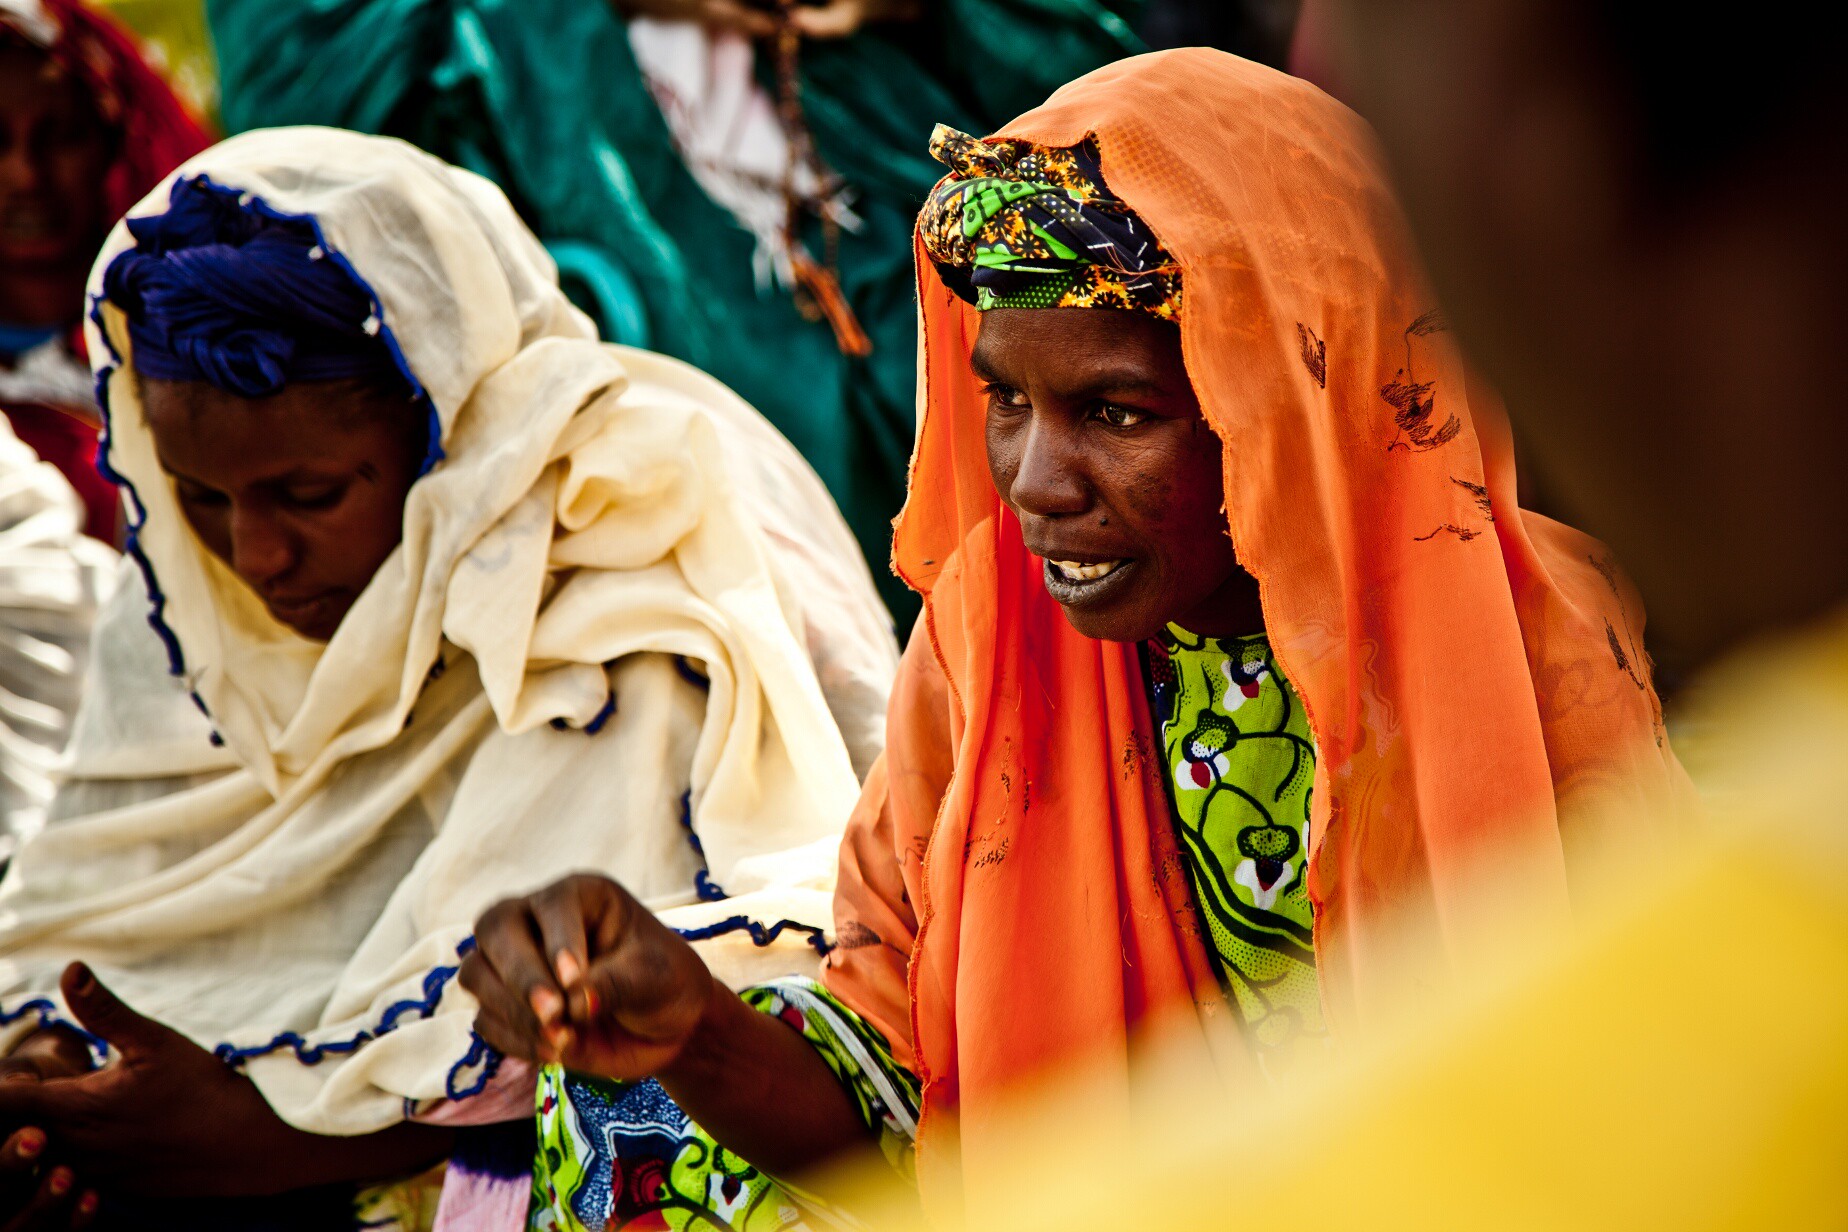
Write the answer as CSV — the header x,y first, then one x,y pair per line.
x,y
1120,416
323,497
1005,395
206,498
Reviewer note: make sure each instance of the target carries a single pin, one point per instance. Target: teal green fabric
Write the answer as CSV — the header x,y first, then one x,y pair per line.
x,y
544,97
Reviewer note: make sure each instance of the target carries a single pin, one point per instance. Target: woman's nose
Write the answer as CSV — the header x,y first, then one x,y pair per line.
x,y
262,550
1049,482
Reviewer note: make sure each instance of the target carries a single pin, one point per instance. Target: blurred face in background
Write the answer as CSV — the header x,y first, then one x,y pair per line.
x,y
54,152
1642,245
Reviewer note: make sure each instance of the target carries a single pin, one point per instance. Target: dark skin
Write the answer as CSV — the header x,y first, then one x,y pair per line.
x,y
302,495
54,150
165,1118
1096,441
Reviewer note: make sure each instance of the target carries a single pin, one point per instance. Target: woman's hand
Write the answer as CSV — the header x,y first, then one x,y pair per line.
x,y
34,1196
38,1190
582,974
167,1118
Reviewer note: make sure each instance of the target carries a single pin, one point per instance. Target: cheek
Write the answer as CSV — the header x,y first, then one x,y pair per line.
x,y
1178,498
354,539
212,524
77,172
1003,435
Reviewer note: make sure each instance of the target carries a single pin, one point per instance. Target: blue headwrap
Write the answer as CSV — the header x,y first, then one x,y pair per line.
x,y
215,291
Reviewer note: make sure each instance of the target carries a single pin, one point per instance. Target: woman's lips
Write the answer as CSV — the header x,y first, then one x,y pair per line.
x,y
1077,584
299,612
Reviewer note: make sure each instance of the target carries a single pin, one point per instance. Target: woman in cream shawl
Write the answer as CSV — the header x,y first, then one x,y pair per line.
x,y
622,629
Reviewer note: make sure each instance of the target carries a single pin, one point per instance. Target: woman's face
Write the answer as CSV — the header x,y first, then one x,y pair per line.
x,y
53,153
300,493
1096,442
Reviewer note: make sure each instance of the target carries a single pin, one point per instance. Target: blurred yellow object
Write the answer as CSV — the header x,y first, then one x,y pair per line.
x,y
178,45
1683,1064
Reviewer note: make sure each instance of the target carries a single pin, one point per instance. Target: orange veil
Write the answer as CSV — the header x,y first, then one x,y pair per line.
x,y
1011,900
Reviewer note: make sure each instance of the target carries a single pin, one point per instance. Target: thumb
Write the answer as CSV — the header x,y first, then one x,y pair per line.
x,y
104,1014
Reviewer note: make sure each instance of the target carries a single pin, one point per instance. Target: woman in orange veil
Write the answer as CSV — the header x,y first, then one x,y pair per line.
x,y
1021,888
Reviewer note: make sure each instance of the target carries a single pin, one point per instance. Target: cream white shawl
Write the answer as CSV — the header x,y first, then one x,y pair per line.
x,y
623,607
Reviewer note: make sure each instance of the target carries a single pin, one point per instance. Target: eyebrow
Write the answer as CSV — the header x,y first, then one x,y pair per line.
x,y
1091,384
297,475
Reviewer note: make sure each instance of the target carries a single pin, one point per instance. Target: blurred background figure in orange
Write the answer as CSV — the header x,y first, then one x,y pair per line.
x,y
86,127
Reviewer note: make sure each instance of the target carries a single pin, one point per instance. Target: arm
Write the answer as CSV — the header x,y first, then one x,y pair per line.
x,y
582,975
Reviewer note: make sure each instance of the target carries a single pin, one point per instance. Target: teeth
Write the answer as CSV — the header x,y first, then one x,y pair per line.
x,y
1076,572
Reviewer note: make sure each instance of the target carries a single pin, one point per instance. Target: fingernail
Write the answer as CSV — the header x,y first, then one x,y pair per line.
x,y
87,1204
60,1182
591,1004
548,1005
560,1039
85,981
30,1142
569,968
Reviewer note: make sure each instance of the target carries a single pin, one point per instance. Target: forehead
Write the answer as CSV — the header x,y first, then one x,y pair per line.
x,y
209,434
1079,347
32,83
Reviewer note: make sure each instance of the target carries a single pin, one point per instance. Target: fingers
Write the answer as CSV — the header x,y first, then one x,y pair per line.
x,y
652,987
502,1018
55,1203
564,913
104,1014
507,939
22,1149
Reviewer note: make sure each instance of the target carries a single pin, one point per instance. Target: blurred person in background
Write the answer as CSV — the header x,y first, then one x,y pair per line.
x,y
466,599
727,181
1259,30
86,127
1237,653
53,578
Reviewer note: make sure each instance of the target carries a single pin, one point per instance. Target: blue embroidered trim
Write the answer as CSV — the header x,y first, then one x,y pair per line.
x,y
481,1053
313,1054
48,1016
597,720
157,599
709,891
691,674
760,935
602,716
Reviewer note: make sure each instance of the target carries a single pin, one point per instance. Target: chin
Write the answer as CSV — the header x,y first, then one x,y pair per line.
x,y
1112,626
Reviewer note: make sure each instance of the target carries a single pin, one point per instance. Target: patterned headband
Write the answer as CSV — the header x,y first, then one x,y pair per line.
x,y
1015,225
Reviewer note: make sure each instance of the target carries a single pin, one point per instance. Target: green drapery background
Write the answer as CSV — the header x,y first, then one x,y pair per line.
x,y
544,97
